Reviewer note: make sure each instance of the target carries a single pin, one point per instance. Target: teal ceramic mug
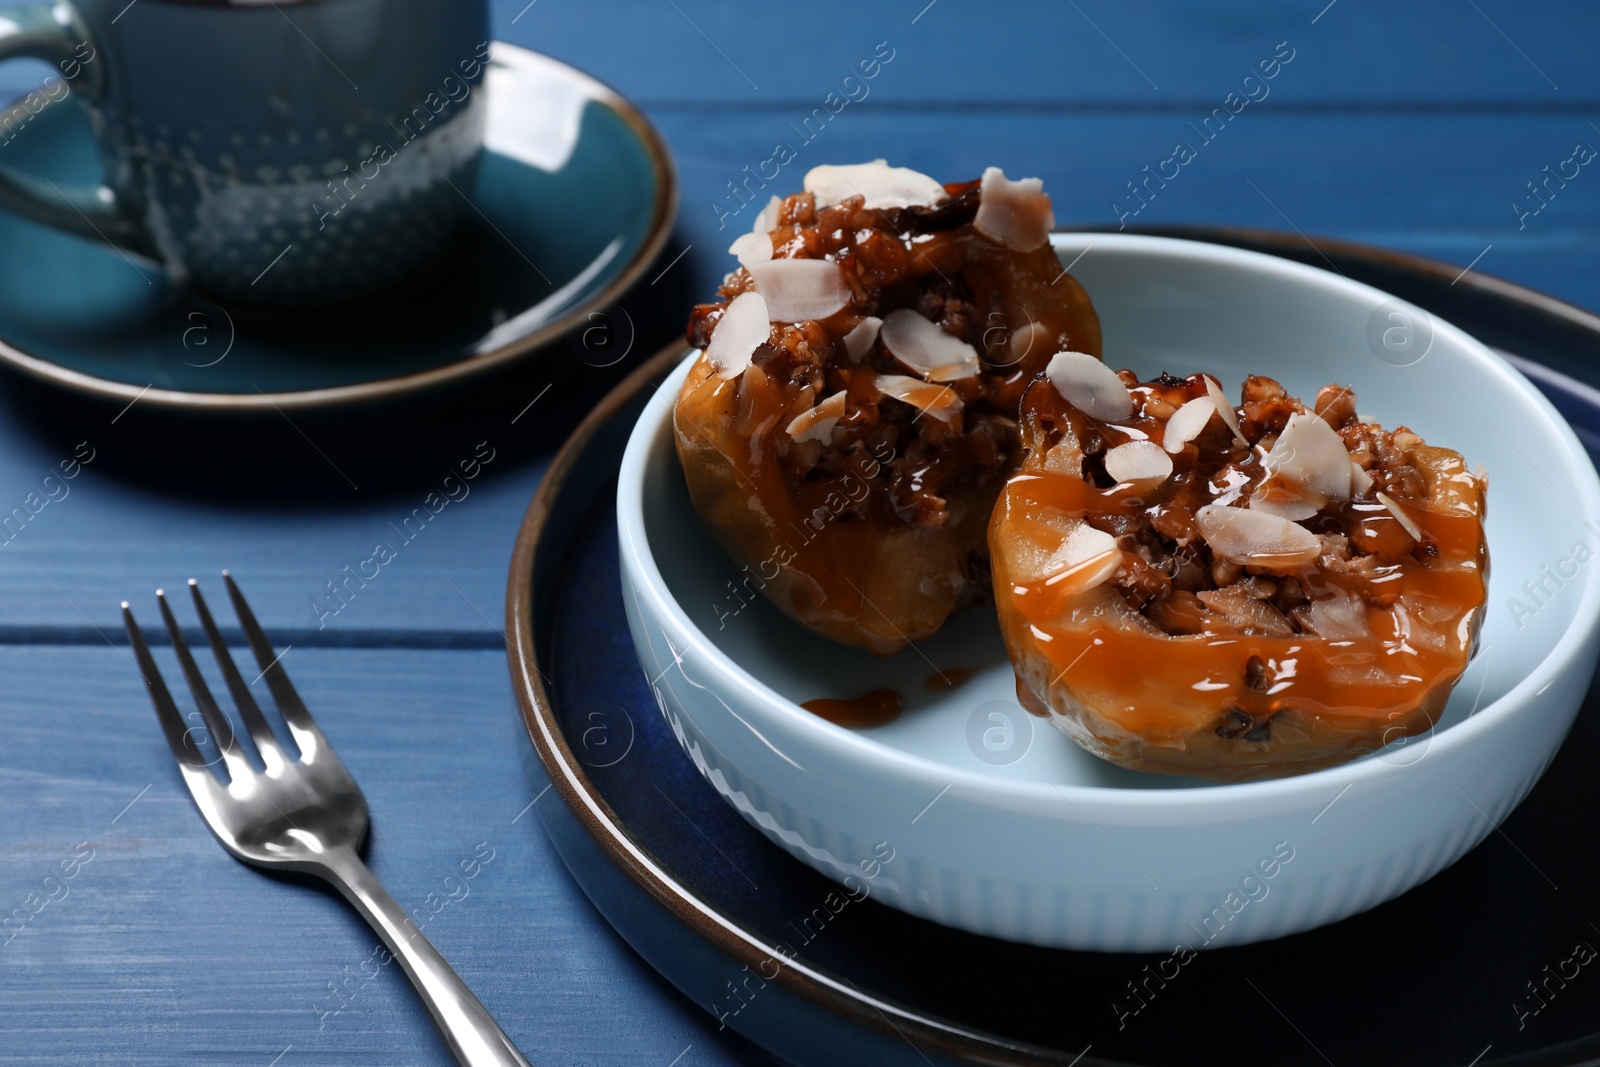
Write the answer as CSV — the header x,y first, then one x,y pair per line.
x,y
290,153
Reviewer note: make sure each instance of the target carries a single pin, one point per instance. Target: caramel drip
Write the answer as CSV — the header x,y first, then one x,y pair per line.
x,y
830,568
876,708
954,678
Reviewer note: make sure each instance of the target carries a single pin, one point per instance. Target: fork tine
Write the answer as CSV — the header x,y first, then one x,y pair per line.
x,y
232,754
301,724
166,709
260,731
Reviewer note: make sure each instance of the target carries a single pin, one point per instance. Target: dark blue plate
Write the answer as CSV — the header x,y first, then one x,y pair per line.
x,y
575,196
1488,963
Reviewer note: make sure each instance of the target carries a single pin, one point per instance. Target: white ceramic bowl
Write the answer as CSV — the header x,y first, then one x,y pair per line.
x,y
1000,825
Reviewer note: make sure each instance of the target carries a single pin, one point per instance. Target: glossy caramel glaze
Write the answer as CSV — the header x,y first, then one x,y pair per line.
x,y
874,537
1186,663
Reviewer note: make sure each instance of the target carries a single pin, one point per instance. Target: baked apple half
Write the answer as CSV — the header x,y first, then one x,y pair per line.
x,y
1190,587
853,412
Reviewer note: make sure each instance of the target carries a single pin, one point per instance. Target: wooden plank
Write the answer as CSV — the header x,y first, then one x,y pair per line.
x,y
161,949
103,540
1043,53
1444,187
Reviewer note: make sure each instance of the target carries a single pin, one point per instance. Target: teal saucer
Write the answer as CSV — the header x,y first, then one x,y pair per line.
x,y
574,198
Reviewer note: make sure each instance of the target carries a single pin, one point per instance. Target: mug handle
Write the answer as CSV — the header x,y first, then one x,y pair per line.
x,y
54,33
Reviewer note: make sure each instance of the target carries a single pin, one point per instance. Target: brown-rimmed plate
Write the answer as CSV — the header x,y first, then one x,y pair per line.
x,y
1483,964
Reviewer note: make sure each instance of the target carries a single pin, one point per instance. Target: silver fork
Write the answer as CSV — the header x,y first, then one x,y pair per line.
x,y
304,814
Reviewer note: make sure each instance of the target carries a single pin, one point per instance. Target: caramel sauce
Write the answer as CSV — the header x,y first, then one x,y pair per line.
x,y
1322,678
877,708
795,517
954,678
1422,601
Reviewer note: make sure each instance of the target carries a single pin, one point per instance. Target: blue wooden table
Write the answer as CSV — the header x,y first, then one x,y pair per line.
x,y
1451,128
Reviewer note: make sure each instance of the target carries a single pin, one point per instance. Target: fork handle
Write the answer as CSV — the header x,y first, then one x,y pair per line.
x,y
475,1039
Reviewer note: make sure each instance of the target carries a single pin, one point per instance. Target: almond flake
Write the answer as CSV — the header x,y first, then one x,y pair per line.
x,y
921,345
1306,468
859,341
797,290
1087,558
741,330
1225,409
1406,521
1255,538
1091,386
1360,480
1187,422
767,221
1032,337
1138,461
1235,607
1309,451
1014,213
939,401
817,424
883,186
1338,617
1285,499
751,248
